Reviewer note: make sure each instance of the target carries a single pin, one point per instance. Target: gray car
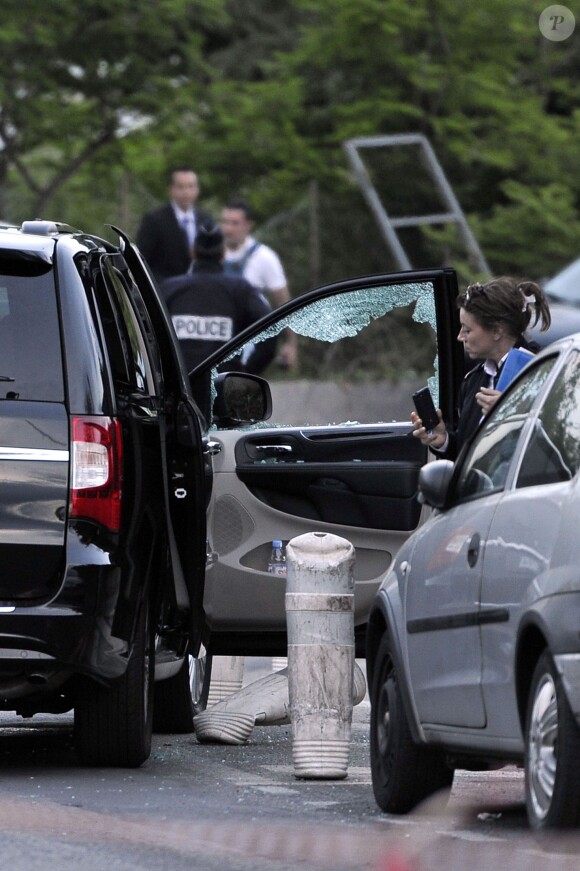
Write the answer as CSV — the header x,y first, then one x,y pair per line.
x,y
473,642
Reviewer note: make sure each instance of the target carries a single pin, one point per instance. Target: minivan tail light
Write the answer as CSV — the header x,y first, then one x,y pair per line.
x,y
96,473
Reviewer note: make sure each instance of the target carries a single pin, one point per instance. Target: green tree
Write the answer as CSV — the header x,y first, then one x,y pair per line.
x,y
260,96
75,81
495,98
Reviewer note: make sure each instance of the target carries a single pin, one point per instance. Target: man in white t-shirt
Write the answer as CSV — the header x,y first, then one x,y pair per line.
x,y
258,264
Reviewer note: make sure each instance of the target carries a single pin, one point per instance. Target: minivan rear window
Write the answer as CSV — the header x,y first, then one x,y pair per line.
x,y
30,352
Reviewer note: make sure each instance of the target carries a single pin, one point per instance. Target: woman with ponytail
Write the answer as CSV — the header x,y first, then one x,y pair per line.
x,y
494,317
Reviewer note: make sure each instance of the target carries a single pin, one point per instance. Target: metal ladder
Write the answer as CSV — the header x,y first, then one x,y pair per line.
x,y
388,225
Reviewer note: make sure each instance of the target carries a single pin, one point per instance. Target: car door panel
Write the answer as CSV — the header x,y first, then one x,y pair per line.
x,y
517,563
442,615
366,478
239,591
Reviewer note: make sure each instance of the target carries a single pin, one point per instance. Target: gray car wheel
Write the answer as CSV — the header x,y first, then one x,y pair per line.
x,y
403,773
180,698
552,752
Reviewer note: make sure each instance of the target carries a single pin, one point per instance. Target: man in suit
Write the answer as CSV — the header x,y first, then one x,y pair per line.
x,y
167,234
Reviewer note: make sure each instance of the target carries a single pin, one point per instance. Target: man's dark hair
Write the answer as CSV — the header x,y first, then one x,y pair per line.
x,y
243,206
171,172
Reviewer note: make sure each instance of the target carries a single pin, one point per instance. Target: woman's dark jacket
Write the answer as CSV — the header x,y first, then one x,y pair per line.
x,y
470,412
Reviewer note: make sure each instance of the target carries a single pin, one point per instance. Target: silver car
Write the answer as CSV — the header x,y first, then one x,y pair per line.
x,y
473,641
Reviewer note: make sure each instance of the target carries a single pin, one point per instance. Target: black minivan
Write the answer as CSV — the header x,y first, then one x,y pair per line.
x,y
102,521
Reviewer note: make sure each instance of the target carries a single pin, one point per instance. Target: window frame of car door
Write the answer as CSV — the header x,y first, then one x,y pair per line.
x,y
525,431
141,380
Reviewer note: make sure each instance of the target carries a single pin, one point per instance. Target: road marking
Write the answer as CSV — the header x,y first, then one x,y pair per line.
x,y
271,790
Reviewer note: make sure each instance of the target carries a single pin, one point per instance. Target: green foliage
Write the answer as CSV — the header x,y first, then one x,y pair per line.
x,y
75,80
260,95
547,215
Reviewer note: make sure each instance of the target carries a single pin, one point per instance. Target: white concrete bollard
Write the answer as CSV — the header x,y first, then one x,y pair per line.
x,y
320,625
227,674
263,702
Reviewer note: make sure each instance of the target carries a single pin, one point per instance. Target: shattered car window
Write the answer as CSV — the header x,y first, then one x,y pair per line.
x,y
361,355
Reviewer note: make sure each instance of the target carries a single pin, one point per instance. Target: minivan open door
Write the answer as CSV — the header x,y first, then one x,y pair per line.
x,y
337,454
188,467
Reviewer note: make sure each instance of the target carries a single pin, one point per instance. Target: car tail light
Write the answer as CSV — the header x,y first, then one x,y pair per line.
x,y
96,474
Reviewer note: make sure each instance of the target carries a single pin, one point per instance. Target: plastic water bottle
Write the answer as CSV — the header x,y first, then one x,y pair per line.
x,y
277,561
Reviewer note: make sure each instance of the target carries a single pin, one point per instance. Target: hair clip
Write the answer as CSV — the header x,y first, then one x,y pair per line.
x,y
530,299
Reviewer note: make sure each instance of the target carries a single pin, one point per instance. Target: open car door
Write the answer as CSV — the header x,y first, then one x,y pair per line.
x,y
187,465
337,454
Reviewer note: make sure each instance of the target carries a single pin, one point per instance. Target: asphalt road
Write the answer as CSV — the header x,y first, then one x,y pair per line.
x,y
200,806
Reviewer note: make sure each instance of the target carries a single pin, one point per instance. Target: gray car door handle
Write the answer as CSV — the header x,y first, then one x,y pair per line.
x,y
473,549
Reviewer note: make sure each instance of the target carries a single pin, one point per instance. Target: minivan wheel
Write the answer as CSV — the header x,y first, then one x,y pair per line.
x,y
113,725
552,760
403,773
180,698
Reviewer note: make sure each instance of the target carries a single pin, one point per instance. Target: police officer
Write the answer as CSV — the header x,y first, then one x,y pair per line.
x,y
208,307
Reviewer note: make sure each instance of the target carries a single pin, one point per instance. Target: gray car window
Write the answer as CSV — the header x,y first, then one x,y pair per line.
x,y
553,451
489,458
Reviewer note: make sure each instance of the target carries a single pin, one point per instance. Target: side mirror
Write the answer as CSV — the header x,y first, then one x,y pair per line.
x,y
434,481
241,399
